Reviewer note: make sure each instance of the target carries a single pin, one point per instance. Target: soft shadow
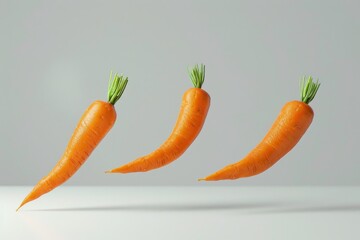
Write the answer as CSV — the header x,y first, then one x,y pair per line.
x,y
314,209
170,207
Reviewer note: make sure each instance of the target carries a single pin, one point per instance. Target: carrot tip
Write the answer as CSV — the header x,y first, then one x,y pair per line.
x,y
19,207
201,179
108,171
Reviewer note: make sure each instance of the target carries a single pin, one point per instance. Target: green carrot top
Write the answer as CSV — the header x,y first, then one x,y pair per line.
x,y
308,89
117,85
197,75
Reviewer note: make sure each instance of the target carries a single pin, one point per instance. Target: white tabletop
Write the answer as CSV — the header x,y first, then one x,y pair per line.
x,y
182,213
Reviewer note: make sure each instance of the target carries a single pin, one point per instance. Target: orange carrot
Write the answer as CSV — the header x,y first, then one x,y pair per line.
x,y
290,125
94,124
193,111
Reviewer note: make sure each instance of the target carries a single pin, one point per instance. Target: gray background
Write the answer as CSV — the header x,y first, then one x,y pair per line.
x,y
55,58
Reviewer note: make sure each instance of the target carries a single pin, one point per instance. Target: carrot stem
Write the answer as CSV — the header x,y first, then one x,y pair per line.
x,y
117,85
308,89
197,75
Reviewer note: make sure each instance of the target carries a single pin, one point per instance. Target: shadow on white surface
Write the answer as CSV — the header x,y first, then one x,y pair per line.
x,y
170,207
315,209
257,208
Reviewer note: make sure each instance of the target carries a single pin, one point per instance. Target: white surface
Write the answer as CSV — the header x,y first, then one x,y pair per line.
x,y
183,213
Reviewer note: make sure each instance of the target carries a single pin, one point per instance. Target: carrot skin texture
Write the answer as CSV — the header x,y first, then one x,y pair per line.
x,y
290,125
94,124
191,118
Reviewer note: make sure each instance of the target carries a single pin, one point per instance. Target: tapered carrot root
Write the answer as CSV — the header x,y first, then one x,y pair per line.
x,y
94,124
290,125
193,111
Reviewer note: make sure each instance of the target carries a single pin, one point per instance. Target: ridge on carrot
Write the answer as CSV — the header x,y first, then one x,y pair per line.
x,y
94,124
294,119
194,107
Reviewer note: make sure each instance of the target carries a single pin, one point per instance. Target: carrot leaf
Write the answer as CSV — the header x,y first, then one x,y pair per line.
x,y
197,75
117,85
308,89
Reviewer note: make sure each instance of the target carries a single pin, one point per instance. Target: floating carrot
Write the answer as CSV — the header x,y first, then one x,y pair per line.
x,y
290,125
193,111
94,124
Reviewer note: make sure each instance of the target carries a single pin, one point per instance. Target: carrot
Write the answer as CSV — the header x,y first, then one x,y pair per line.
x,y
292,122
193,111
94,124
